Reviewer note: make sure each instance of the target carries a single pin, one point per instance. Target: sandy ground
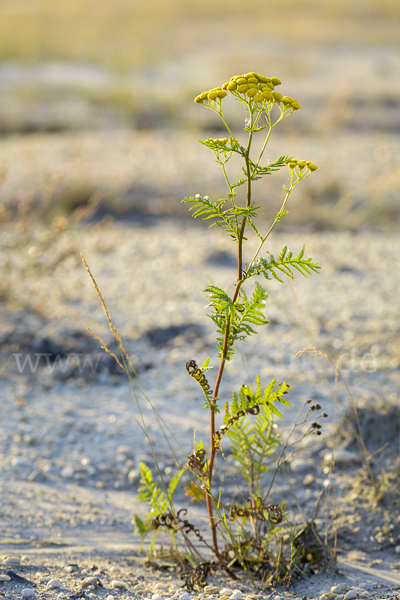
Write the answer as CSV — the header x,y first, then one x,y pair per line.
x,y
70,442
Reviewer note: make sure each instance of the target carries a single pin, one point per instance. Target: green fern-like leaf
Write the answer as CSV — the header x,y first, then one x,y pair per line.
x,y
285,264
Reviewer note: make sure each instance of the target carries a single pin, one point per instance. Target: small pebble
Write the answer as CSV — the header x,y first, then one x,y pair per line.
x,y
328,595
44,579
350,595
115,570
236,595
116,583
211,589
12,560
341,588
53,583
156,597
4,577
110,597
184,597
161,586
300,465
397,549
28,593
226,592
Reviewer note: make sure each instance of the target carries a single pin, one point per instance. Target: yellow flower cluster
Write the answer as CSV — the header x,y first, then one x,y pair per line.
x,y
252,85
302,164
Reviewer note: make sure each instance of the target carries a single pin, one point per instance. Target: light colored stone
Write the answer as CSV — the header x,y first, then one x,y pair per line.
x,y
342,457
115,570
156,597
328,595
116,583
44,579
4,577
211,589
12,560
161,585
340,588
350,595
184,596
54,583
28,593
67,472
300,465
236,595
397,549
226,592
110,597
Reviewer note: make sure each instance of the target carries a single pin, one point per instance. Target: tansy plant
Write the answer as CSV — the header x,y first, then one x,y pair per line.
x,y
247,419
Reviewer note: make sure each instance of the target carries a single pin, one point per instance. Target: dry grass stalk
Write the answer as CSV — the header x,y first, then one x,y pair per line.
x,y
111,324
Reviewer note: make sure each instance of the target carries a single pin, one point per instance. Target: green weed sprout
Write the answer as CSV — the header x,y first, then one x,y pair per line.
x,y
248,418
236,316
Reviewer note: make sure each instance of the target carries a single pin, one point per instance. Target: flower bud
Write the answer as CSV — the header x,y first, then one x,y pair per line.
x,y
243,88
302,164
241,80
251,92
262,79
258,98
212,95
276,81
253,85
221,94
295,105
225,85
203,95
312,167
292,165
231,87
278,97
252,80
271,85
198,100
223,140
287,100
268,96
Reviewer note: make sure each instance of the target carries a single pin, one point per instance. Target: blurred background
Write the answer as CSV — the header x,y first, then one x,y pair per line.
x,y
97,114
98,145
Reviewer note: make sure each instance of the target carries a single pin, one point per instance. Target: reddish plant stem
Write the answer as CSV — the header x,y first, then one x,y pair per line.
x,y
240,280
